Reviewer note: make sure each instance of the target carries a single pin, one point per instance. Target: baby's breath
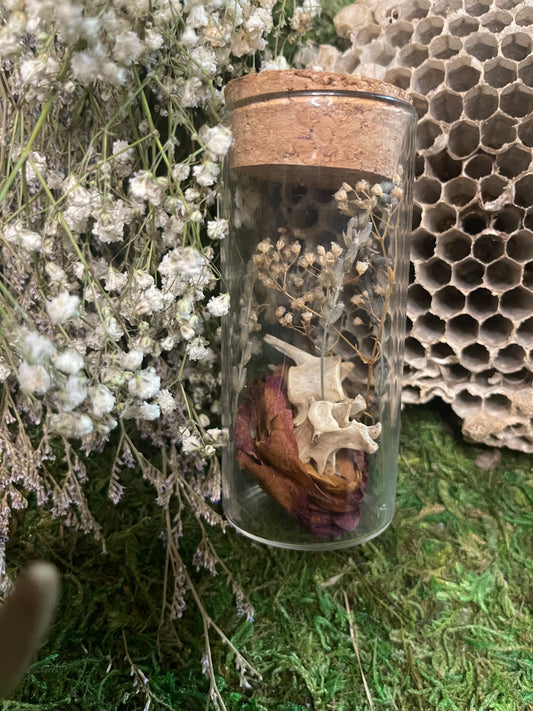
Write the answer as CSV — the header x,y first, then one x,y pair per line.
x,y
111,151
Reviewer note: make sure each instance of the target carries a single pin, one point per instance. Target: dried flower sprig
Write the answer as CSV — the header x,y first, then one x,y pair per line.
x,y
371,239
111,147
310,282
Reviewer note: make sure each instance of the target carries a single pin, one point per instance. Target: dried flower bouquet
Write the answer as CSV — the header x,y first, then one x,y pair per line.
x,y
111,145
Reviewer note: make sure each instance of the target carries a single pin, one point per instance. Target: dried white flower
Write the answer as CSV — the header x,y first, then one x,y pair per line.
x,y
204,61
150,302
197,17
113,329
149,411
218,305
86,65
207,173
70,424
215,435
102,400
68,361
114,280
106,424
167,344
185,309
196,216
183,267
153,39
275,64
166,402
196,350
190,94
192,195
216,139
123,159
189,37
80,205
72,394
37,348
145,385
55,272
187,331
34,378
25,239
132,360
189,441
142,279
217,229
36,167
146,186
9,44
180,172
5,371
109,226
37,71
63,307
128,47
203,420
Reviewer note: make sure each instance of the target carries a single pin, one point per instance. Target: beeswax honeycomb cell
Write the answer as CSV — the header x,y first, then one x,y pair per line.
x,y
468,67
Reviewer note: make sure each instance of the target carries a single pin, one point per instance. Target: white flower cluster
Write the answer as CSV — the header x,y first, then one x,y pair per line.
x,y
123,34
302,19
215,29
112,160
112,276
113,46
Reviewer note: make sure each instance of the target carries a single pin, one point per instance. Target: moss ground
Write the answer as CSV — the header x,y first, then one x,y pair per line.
x,y
437,613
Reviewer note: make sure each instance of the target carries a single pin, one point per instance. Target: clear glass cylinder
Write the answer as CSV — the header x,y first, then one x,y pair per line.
x,y
318,197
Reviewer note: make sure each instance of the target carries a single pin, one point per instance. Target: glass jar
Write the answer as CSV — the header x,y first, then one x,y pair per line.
x,y
318,197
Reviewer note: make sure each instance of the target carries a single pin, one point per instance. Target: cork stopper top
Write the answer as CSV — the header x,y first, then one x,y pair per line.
x,y
294,80
325,124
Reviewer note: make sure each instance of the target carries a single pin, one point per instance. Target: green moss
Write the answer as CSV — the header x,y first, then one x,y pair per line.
x,y
324,29
440,605
321,31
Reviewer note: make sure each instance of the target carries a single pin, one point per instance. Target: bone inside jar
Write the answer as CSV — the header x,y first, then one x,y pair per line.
x,y
318,198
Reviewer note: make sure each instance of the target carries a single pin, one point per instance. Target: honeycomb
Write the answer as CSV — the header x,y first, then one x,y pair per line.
x,y
468,67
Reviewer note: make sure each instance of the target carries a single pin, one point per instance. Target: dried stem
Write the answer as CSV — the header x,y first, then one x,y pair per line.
x,y
208,624
356,649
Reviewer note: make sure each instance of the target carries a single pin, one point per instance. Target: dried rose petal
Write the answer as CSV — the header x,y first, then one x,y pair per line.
x,y
266,447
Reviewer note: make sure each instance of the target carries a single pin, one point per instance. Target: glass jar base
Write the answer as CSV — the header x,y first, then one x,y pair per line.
x,y
255,521
319,546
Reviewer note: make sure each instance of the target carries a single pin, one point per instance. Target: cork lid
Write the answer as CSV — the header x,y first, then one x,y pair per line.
x,y
327,125
295,80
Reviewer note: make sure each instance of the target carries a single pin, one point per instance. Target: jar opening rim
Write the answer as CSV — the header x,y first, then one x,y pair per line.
x,y
351,93
294,81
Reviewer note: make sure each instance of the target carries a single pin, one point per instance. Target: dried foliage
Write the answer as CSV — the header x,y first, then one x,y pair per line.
x,y
112,143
